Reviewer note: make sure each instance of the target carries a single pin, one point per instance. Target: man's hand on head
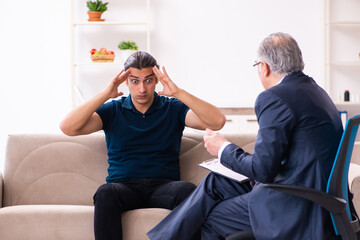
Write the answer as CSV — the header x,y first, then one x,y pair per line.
x,y
112,88
170,89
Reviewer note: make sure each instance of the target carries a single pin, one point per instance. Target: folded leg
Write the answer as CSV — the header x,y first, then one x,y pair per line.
x,y
170,194
186,220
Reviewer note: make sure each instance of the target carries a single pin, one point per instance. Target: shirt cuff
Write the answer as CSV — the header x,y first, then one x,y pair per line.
x,y
221,149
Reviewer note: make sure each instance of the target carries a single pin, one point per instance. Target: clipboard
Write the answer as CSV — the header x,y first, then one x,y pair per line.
x,y
216,166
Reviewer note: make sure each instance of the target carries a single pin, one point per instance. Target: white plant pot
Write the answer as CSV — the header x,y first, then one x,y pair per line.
x,y
125,54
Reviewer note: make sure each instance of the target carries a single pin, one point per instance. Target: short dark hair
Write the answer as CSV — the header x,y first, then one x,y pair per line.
x,y
140,60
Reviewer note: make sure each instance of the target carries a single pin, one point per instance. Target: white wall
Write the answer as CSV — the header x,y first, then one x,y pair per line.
x,y
208,47
34,63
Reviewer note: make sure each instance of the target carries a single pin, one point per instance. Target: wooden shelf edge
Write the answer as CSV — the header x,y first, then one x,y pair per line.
x,y
105,23
348,63
99,64
350,23
238,111
347,103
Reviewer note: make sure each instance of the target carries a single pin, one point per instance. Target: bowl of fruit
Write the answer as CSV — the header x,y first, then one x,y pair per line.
x,y
103,55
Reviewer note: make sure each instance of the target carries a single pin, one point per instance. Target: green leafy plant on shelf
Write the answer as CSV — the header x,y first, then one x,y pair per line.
x,y
128,45
97,6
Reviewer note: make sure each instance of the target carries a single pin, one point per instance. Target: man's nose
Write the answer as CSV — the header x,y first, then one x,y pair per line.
x,y
142,87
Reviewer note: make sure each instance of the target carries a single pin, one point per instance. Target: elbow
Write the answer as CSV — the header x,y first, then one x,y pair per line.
x,y
222,121
66,129
219,123
263,177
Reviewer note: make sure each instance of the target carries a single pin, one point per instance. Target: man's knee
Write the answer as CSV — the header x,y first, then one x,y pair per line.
x,y
211,181
183,189
220,187
171,194
109,192
105,191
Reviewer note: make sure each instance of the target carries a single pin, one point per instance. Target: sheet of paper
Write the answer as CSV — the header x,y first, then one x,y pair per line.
x,y
217,167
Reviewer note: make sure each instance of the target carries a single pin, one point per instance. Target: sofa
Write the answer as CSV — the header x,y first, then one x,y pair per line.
x,y
49,181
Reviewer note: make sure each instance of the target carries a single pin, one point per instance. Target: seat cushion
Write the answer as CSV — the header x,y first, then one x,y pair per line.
x,y
137,223
64,222
47,222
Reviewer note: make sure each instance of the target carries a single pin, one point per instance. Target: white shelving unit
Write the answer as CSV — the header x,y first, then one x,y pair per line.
x,y
342,48
87,77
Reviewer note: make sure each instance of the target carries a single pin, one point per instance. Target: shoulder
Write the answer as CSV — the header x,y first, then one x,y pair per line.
x,y
167,99
123,101
173,108
269,97
113,105
271,106
170,101
285,92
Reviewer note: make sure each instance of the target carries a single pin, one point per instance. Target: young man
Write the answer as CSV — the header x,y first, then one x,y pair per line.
x,y
143,134
299,133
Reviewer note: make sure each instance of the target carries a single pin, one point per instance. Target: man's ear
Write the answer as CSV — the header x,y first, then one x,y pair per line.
x,y
266,70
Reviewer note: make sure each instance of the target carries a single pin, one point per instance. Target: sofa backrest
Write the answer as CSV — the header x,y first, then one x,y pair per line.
x,y
53,169
193,152
57,169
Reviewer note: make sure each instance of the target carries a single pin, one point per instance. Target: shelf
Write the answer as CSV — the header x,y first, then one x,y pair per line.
x,y
86,35
345,64
342,52
352,109
107,23
355,104
238,111
353,23
99,64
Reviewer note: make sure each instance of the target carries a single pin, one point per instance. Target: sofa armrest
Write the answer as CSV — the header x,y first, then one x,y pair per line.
x,y
354,175
354,184
1,189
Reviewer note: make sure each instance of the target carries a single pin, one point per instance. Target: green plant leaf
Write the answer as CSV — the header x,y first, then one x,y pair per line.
x,y
97,6
90,6
128,45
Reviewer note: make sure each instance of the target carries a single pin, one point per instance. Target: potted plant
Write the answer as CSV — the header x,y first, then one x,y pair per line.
x,y
127,48
96,9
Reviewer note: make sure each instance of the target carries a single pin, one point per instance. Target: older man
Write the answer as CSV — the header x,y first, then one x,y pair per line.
x,y
299,132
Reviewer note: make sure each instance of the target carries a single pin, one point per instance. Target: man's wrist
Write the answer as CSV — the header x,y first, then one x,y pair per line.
x,y
221,149
105,95
179,93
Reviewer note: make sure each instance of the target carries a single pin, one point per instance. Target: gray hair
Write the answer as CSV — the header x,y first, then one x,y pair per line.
x,y
282,53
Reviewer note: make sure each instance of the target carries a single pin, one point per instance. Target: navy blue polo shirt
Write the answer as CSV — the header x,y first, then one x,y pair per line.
x,y
143,145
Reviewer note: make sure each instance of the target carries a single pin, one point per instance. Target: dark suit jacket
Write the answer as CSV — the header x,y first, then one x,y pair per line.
x,y
299,132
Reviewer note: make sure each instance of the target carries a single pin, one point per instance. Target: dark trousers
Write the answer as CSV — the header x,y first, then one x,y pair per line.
x,y
112,199
217,208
